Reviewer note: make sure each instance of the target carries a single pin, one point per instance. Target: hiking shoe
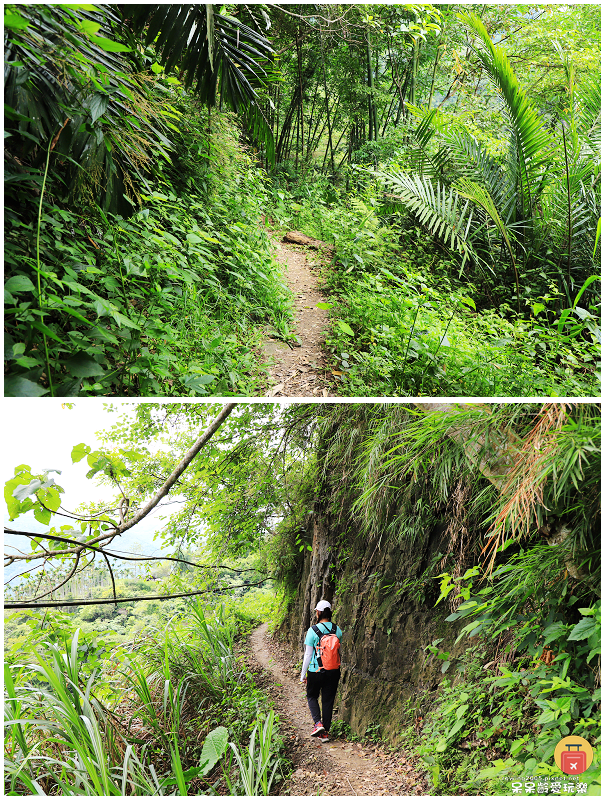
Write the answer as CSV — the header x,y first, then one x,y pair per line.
x,y
323,736
317,729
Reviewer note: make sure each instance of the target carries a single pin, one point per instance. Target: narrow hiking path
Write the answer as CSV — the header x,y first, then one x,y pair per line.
x,y
300,371
335,768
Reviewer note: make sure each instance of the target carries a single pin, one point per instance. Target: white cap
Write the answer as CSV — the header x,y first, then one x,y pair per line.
x,y
323,604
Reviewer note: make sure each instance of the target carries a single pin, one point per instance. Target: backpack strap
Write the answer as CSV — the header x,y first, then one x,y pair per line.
x,y
319,633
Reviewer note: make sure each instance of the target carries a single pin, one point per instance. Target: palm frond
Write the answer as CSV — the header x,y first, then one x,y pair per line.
x,y
217,55
481,197
423,157
588,105
534,145
437,207
62,77
473,161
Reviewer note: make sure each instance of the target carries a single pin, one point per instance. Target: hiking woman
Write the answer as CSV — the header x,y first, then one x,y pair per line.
x,y
321,668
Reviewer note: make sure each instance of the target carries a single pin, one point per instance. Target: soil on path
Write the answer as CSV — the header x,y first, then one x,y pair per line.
x,y
335,768
300,371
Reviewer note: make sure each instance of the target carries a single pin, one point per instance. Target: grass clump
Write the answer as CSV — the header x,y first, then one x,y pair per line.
x,y
148,719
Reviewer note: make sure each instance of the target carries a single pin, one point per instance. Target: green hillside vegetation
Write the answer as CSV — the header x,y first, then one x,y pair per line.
x,y
452,159
118,623
150,716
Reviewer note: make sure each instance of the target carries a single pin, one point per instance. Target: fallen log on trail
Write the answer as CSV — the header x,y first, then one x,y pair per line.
x,y
296,237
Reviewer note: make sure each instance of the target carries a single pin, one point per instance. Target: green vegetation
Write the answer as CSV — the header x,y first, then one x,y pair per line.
x,y
136,264
452,159
503,483
96,713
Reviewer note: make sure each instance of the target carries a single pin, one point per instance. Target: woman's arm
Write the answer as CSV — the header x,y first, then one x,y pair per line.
x,y
306,661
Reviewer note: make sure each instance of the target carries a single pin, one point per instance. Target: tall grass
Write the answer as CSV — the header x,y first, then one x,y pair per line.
x,y
58,740
258,766
61,739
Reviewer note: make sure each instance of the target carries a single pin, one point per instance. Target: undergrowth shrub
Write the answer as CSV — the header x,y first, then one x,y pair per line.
x,y
406,320
532,678
168,301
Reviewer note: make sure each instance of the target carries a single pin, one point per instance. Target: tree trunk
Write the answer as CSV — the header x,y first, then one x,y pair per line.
x,y
327,99
300,83
436,60
373,132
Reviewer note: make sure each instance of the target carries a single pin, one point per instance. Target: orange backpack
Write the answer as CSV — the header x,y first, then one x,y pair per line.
x,y
328,648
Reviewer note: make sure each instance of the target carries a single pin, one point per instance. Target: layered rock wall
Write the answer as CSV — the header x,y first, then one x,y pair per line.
x,y
386,608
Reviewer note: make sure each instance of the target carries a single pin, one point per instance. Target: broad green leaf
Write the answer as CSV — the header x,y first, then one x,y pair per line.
x,y
345,328
324,306
213,748
456,727
467,301
87,26
109,46
50,498
83,366
15,22
16,386
121,319
97,104
584,629
582,313
42,515
537,308
197,383
19,283
28,362
80,451
23,491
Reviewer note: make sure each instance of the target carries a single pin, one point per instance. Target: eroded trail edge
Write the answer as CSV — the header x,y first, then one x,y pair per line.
x,y
335,768
300,371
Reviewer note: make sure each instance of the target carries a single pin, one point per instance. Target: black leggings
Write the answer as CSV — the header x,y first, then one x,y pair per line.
x,y
325,682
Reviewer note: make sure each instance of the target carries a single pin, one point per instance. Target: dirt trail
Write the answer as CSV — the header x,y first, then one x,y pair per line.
x,y
300,371
335,768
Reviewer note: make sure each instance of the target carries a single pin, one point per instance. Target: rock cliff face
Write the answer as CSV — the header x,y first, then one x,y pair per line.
x,y
383,598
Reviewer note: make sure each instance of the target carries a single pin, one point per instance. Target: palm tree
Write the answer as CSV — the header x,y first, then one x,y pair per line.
x,y
74,86
536,206
71,89
217,54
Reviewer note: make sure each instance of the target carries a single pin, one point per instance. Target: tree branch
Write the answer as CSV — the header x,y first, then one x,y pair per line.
x,y
84,545
68,578
105,601
183,464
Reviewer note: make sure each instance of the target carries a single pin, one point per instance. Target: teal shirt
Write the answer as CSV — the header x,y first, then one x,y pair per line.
x,y
312,639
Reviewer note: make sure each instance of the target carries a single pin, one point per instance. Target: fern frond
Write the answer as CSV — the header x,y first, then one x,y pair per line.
x,y
437,207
